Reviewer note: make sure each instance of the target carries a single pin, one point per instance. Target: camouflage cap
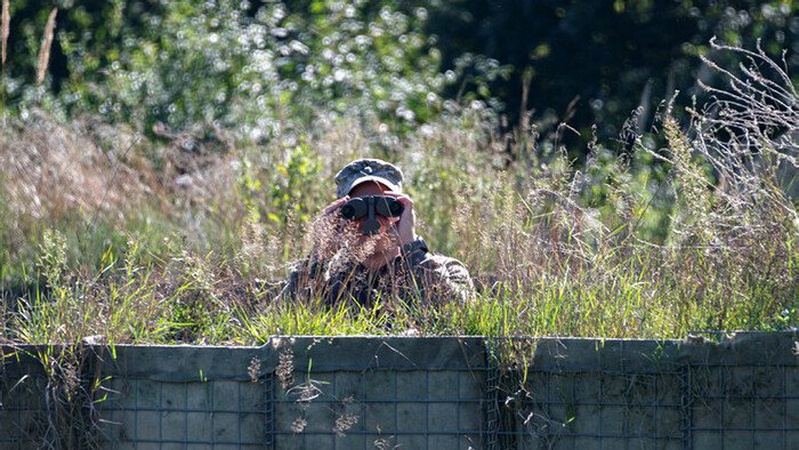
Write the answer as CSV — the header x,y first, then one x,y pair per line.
x,y
362,170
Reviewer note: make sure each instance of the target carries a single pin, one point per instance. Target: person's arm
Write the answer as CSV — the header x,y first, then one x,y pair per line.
x,y
436,277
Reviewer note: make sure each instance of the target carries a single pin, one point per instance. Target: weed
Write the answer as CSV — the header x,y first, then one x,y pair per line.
x,y
285,369
159,244
44,50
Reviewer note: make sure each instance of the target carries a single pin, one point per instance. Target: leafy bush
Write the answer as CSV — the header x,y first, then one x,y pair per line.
x,y
260,69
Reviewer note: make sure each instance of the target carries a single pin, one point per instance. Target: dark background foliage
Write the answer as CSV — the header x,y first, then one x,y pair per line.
x,y
552,61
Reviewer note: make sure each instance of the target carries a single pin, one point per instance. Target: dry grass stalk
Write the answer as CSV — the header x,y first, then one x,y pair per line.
x,y
47,42
5,31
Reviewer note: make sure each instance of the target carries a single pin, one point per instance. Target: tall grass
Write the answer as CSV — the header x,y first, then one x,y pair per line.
x,y
5,32
47,43
111,237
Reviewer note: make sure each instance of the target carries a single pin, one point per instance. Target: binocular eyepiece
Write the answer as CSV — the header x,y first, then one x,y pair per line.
x,y
370,207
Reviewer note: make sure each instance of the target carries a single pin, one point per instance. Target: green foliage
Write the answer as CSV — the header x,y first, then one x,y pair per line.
x,y
260,69
661,230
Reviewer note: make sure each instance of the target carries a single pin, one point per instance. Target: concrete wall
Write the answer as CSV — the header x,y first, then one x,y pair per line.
x,y
415,393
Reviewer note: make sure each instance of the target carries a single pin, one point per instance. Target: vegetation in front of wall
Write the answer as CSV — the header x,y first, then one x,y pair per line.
x,y
110,235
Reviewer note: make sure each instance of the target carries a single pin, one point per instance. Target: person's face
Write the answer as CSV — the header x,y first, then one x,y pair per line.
x,y
373,188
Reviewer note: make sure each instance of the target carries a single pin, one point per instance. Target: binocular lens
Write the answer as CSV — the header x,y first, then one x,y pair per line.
x,y
380,205
396,208
348,212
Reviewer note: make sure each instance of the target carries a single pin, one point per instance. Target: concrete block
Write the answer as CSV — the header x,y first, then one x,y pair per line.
x,y
792,439
768,381
587,420
442,418
173,396
289,416
471,384
586,388
470,416
737,440
585,443
416,441
380,385
738,382
148,425
125,446
616,388
613,421
199,447
614,442
668,422
669,390
792,380
640,421
443,386
199,426
199,396
251,396
350,385
319,418
770,413
380,417
738,413
147,394
707,414
560,416
411,418
226,395
173,425
227,447
705,383
792,410
172,446
289,441
226,427
770,439
538,386
411,386
127,420
351,441
445,442
252,427
318,441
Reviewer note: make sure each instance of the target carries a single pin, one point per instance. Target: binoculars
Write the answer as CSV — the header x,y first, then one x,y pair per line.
x,y
370,207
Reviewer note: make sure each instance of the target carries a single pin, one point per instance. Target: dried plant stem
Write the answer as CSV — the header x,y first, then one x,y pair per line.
x,y
5,31
47,42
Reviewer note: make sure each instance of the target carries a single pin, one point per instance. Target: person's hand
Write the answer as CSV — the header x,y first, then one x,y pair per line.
x,y
331,209
404,228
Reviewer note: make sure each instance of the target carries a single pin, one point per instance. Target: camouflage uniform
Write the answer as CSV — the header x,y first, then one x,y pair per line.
x,y
415,276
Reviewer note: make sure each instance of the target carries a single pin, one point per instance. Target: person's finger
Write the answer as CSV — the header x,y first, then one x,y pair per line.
x,y
335,205
404,227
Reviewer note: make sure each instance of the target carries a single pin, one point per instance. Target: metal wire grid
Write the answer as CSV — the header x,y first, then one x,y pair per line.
x,y
711,405
386,408
596,409
743,406
22,411
383,409
204,414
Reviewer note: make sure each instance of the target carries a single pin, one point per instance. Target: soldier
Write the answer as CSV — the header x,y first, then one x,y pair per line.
x,y
365,247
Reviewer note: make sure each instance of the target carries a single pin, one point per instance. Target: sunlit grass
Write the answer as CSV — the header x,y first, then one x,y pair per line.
x,y
648,245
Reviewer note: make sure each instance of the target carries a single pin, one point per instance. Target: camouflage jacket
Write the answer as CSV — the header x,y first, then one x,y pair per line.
x,y
416,275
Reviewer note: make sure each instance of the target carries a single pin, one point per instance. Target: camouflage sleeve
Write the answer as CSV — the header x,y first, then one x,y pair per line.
x,y
444,279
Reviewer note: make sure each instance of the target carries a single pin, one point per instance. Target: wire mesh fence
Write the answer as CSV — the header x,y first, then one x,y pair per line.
x,y
433,393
